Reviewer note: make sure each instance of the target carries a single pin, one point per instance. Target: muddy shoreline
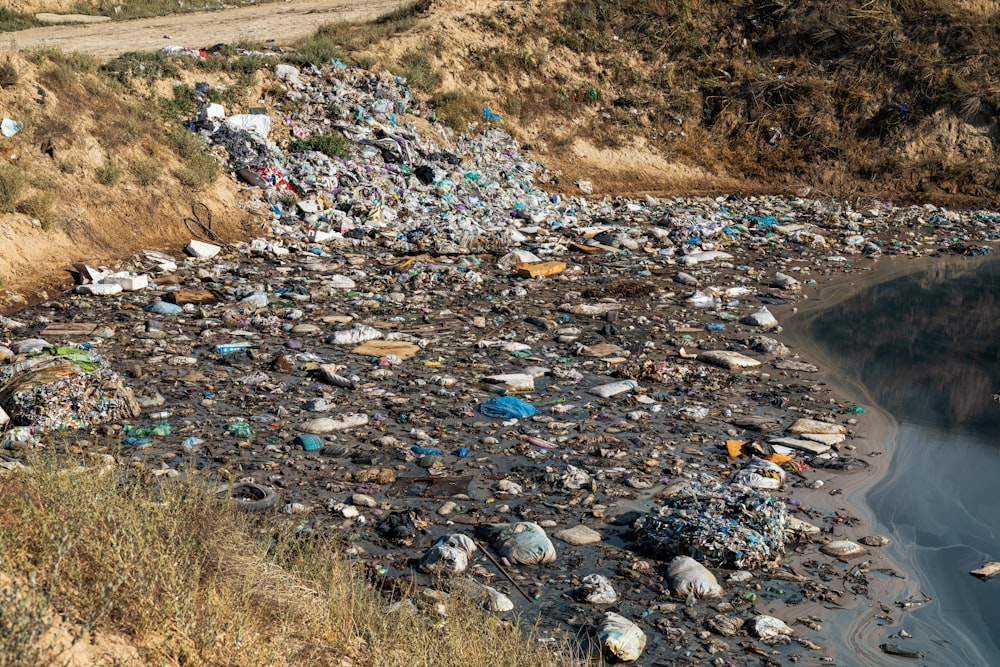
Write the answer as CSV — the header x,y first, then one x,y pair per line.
x,y
847,634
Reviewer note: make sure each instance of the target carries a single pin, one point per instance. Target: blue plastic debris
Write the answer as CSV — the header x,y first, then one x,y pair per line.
x,y
310,443
163,308
507,406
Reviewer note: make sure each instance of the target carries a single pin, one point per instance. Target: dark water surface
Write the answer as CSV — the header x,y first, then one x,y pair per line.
x,y
927,348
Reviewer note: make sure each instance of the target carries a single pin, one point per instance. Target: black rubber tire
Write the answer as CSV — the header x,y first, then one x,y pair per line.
x,y
252,497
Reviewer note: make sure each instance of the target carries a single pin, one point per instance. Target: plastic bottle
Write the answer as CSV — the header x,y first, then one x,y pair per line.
x,y
229,348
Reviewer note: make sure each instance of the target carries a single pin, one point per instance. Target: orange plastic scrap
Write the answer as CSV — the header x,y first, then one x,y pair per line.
x,y
778,458
540,269
735,447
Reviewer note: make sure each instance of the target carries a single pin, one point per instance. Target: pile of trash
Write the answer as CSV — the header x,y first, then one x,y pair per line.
x,y
52,387
725,525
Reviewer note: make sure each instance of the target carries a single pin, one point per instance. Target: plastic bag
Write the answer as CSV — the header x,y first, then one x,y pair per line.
x,y
761,474
507,406
523,542
448,556
620,637
687,576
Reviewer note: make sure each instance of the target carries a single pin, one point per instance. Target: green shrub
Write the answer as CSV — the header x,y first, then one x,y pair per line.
x,y
318,49
457,109
11,20
12,182
9,75
109,173
147,66
200,168
419,71
38,205
145,171
333,145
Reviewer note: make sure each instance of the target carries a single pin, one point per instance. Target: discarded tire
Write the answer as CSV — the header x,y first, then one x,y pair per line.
x,y
251,497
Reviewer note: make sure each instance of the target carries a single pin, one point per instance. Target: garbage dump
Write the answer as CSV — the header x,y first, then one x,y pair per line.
x,y
423,342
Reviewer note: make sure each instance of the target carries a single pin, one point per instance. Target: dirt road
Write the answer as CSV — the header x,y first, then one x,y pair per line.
x,y
280,22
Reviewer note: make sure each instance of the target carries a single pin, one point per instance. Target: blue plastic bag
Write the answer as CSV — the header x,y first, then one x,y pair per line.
x,y
507,406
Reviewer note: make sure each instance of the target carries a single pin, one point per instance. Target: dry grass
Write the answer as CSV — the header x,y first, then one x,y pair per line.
x,y
187,580
13,180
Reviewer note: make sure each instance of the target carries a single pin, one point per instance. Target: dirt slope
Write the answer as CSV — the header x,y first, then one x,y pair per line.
x,y
281,22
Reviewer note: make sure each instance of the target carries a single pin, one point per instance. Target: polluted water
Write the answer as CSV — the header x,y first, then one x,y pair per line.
x,y
925,346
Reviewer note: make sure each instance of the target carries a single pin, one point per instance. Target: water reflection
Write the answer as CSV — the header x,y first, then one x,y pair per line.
x,y
926,347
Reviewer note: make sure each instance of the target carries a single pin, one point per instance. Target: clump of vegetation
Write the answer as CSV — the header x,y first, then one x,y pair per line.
x,y
39,205
137,9
457,109
144,66
145,171
109,173
332,145
419,71
11,20
176,572
9,76
13,180
332,39
200,168
318,49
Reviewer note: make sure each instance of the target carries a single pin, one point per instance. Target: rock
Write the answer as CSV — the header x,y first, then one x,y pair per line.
x,y
875,541
323,425
724,624
797,525
362,500
783,281
990,569
769,629
578,536
54,19
685,279
797,366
